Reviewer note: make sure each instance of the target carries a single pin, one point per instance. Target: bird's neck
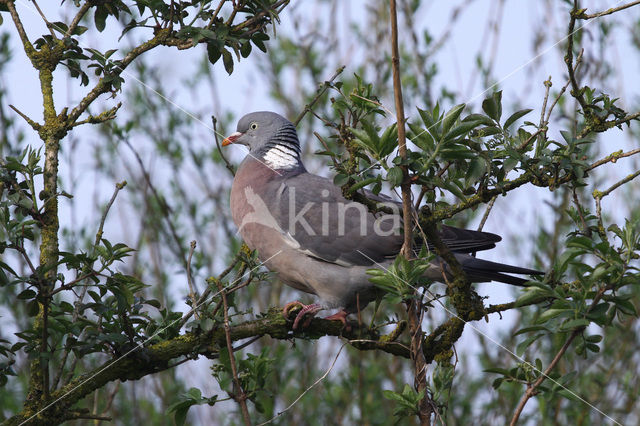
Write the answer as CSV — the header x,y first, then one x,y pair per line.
x,y
282,152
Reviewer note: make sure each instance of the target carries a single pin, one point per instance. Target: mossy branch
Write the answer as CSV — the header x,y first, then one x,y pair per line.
x,y
139,361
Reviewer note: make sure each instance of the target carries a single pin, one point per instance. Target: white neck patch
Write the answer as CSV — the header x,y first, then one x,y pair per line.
x,y
281,157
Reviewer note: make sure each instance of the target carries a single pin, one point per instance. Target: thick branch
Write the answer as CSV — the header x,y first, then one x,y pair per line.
x,y
141,361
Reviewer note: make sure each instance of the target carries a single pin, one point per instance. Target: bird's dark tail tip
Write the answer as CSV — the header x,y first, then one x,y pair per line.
x,y
485,270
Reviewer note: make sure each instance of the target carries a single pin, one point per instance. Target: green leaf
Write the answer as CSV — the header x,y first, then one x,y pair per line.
x,y
213,52
488,131
492,106
475,170
522,346
227,59
532,294
26,294
497,370
483,119
245,49
340,179
532,328
575,323
451,117
552,313
461,129
33,307
515,116
422,138
395,176
100,17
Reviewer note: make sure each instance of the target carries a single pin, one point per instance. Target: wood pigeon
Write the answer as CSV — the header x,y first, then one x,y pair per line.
x,y
315,239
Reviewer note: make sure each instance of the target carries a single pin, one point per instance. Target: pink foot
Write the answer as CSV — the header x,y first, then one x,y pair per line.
x,y
339,316
310,310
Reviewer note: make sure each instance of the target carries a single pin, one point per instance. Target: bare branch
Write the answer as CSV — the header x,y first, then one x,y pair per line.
x,y
78,302
323,88
583,15
532,389
193,293
104,85
224,158
105,116
602,194
238,393
28,47
35,126
576,91
612,158
606,125
46,21
76,19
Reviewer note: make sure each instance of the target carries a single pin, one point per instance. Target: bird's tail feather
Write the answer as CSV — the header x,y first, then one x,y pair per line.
x,y
484,270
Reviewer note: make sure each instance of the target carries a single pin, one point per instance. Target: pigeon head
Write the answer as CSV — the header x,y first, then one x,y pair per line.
x,y
270,138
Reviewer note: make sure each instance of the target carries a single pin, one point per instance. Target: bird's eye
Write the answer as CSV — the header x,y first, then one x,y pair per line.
x,y
254,126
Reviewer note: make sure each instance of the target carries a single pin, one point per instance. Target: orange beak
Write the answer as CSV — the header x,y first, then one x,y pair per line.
x,y
231,138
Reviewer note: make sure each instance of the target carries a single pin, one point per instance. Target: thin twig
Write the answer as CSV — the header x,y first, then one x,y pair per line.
x,y
323,88
207,291
82,416
326,147
165,208
215,14
530,139
321,378
35,126
238,393
104,116
193,292
606,125
228,165
543,124
414,308
602,194
23,252
576,91
76,19
28,47
532,390
564,88
608,11
44,18
486,212
402,140
612,158
78,302
247,343
238,5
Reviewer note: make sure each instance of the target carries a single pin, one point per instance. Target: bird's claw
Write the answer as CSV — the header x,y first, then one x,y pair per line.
x,y
306,310
310,311
342,317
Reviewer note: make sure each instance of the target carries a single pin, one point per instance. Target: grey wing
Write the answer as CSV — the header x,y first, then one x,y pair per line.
x,y
465,240
457,239
324,224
